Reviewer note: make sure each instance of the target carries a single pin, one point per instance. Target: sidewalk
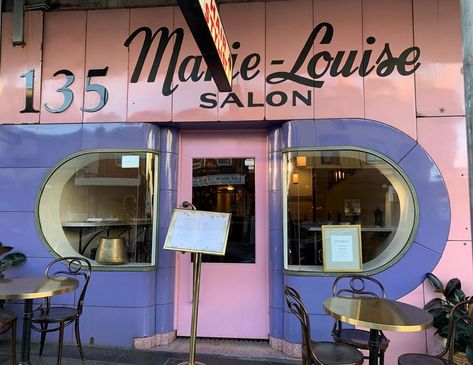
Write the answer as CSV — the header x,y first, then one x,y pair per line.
x,y
210,352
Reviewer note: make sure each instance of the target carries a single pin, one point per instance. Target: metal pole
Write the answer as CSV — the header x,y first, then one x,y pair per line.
x,y
195,307
197,258
467,35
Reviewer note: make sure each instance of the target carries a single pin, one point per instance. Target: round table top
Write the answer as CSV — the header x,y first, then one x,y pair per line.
x,y
378,313
35,287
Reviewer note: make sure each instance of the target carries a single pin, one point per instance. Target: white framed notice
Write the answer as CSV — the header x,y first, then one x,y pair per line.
x,y
198,231
342,247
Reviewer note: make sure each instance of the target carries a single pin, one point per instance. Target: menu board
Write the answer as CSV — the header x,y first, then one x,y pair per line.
x,y
198,231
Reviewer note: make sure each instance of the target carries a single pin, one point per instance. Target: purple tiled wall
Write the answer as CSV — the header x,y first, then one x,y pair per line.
x,y
399,279
142,301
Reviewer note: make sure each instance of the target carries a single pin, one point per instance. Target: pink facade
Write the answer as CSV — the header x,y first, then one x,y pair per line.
x,y
270,46
280,73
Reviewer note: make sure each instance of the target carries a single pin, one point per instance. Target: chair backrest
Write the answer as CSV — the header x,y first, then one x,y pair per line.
x,y
294,302
75,267
460,315
353,285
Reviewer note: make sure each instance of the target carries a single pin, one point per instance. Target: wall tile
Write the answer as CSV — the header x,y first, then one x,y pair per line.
x,y
439,80
18,61
63,49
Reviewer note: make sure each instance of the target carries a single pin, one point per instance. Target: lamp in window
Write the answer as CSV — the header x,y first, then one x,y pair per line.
x,y
295,178
301,161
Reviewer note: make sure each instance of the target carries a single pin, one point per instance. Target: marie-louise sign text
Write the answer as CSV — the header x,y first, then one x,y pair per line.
x,y
317,66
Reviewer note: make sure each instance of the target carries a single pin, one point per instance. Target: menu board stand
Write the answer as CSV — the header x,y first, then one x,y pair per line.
x,y
208,232
197,256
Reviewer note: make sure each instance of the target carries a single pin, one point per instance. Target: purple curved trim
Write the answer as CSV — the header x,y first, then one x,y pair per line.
x,y
433,204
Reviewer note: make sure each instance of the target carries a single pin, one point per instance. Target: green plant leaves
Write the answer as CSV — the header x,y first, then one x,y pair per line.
x,y
4,265
11,259
435,282
452,287
435,303
441,310
469,352
15,258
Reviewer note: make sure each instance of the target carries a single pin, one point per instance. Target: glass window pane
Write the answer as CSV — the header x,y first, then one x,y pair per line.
x,y
227,185
341,187
98,196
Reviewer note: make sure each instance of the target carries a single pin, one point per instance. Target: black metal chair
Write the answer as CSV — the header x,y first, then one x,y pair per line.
x,y
7,322
353,285
61,316
456,318
319,353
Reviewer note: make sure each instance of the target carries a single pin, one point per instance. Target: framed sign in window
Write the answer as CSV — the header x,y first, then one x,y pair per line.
x,y
342,248
198,231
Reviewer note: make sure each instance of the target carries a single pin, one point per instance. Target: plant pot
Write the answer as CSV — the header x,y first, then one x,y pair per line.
x,y
459,358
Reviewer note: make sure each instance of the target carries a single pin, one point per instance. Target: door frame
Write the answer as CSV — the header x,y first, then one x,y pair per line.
x,y
217,299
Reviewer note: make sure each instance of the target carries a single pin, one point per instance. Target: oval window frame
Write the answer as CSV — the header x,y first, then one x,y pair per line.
x,y
392,259
96,265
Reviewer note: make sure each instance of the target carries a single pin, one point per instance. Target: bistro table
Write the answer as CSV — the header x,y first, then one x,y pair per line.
x,y
29,288
378,314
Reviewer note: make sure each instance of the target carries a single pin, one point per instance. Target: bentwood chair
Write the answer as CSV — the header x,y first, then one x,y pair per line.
x,y
319,353
355,285
49,318
457,318
7,322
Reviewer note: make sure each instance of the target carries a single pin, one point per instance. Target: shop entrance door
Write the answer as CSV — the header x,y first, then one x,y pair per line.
x,y
227,172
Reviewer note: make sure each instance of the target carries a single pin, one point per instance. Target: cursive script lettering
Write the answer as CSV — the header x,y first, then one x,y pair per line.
x,y
343,63
163,43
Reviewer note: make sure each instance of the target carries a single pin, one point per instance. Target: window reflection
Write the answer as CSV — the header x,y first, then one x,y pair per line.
x,y
342,187
227,185
98,196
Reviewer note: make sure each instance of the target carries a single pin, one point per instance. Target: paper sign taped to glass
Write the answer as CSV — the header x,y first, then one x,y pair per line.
x,y
342,248
198,231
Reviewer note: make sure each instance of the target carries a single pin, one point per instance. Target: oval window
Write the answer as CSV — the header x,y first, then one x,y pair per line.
x,y
345,187
102,205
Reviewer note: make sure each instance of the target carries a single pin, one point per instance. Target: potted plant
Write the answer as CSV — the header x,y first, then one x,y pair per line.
x,y
9,259
440,309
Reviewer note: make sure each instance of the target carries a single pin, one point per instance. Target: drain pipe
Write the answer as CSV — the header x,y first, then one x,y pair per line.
x,y
467,35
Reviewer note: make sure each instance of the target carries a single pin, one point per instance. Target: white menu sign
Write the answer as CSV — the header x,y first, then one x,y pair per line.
x,y
342,248
198,231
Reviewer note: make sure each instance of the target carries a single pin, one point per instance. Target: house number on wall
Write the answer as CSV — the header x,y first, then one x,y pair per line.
x,y
67,93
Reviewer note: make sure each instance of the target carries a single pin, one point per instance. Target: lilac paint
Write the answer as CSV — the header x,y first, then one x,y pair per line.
x,y
434,210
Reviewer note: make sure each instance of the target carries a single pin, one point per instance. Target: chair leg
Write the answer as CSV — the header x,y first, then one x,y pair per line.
x,y
79,344
13,343
381,358
44,328
61,338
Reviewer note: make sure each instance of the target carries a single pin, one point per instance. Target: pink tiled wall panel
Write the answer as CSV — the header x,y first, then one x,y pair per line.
x,y
340,96
439,82
106,32
146,101
389,99
17,61
445,140
63,56
249,87
288,27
